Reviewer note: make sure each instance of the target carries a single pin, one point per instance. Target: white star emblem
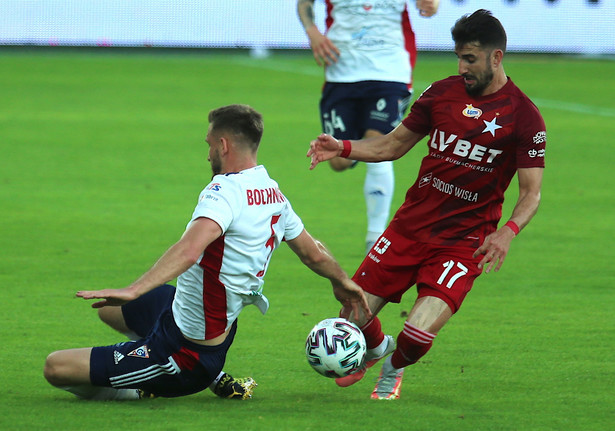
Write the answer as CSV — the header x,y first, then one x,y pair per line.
x,y
491,126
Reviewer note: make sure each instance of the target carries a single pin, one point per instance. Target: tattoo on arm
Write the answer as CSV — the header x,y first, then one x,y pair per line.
x,y
305,9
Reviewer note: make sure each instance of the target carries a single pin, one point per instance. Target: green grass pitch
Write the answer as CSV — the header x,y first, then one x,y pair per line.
x,y
102,158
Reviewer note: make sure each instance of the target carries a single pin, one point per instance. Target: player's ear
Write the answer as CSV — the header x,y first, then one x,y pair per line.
x,y
224,145
496,57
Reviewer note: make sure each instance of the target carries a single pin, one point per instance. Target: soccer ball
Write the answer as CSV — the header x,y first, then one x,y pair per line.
x,y
335,347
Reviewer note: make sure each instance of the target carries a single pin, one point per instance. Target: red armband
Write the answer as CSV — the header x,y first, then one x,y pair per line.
x,y
347,147
513,226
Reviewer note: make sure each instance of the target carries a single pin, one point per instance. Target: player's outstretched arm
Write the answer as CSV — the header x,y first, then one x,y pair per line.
x,y
177,259
109,297
391,146
496,245
316,257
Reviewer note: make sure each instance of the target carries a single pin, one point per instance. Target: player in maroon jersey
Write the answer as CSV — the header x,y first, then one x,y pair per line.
x,y
481,131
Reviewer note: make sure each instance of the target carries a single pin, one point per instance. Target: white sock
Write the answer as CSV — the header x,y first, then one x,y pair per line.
x,y
101,393
379,349
387,366
378,192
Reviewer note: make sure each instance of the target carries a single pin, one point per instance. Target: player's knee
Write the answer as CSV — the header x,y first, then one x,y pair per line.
x,y
53,369
105,315
68,367
360,321
339,164
113,317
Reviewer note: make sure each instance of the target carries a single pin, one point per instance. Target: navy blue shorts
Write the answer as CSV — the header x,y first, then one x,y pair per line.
x,y
142,314
347,110
163,362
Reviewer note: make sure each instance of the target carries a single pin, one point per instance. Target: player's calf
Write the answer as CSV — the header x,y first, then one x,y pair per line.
x,y
412,344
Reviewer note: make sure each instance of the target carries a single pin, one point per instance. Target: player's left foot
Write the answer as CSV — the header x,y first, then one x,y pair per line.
x,y
388,386
370,361
230,387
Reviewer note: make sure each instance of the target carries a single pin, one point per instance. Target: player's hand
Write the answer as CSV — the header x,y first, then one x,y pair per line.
x,y
427,8
325,51
110,297
353,300
325,147
494,249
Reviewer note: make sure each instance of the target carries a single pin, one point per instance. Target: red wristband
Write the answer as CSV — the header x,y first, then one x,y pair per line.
x,y
347,148
513,226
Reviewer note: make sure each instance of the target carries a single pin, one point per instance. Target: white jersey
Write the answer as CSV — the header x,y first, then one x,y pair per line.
x,y
375,40
254,217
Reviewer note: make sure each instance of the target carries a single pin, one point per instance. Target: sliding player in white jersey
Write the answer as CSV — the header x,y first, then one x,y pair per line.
x,y
369,52
220,261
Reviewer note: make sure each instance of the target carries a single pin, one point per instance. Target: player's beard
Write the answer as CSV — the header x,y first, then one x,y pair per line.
x,y
216,163
481,81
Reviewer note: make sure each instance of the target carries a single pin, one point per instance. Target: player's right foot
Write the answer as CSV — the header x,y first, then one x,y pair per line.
x,y
230,387
369,362
388,386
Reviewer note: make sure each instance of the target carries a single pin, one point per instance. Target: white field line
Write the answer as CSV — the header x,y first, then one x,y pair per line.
x,y
578,108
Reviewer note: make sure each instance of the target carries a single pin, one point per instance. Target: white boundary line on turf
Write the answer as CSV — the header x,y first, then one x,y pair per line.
x,y
574,107
271,64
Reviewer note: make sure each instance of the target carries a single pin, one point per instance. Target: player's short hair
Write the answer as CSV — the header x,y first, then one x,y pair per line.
x,y
243,121
481,27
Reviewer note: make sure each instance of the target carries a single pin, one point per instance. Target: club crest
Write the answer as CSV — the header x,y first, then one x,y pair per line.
x,y
140,352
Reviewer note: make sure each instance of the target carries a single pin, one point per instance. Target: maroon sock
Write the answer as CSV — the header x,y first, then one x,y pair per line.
x,y
412,344
373,333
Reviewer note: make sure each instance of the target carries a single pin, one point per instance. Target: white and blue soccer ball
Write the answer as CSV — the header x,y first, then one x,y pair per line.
x,y
335,347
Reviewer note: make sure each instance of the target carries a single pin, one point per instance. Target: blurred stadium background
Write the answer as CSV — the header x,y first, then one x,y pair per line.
x,y
556,26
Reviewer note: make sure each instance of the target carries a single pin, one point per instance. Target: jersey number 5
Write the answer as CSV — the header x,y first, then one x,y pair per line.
x,y
269,244
448,266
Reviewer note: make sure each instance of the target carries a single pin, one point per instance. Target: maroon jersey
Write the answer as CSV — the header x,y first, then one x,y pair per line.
x,y
476,144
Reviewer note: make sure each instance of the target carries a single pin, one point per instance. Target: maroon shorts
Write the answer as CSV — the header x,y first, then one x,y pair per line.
x,y
396,263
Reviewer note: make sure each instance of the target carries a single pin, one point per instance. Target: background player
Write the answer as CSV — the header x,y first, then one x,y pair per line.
x,y
219,262
482,130
369,52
